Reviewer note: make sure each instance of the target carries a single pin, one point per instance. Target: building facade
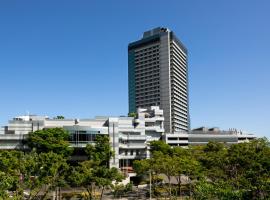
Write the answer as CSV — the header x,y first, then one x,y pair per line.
x,y
203,135
129,136
158,76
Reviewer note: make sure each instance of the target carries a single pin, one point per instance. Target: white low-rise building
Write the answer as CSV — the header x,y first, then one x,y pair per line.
x,y
203,135
129,136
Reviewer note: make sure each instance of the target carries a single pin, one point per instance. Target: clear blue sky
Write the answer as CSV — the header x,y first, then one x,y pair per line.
x,y
70,57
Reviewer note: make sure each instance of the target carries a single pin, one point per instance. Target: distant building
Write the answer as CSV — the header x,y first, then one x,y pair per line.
x,y
203,135
158,76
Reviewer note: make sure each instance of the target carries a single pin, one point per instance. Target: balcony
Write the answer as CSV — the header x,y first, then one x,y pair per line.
x,y
132,137
132,146
140,156
154,128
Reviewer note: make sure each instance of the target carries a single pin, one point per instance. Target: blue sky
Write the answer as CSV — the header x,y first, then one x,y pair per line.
x,y
70,57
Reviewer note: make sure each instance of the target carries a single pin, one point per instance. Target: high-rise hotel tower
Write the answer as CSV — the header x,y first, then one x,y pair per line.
x,y
158,75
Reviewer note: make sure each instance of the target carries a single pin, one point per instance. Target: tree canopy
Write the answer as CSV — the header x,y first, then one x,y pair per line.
x,y
96,172
59,117
36,173
213,171
101,151
53,139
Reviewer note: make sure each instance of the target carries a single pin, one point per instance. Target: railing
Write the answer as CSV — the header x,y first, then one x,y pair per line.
x,y
132,137
135,156
133,145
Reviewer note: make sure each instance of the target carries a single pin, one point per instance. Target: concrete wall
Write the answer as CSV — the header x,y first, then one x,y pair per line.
x,y
165,80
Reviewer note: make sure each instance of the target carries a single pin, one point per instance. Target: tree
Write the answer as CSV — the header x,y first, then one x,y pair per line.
x,y
165,165
83,175
160,146
186,165
29,172
101,152
44,166
213,158
239,171
121,189
96,171
5,184
52,169
59,117
205,190
132,114
248,168
53,139
104,177
11,167
142,167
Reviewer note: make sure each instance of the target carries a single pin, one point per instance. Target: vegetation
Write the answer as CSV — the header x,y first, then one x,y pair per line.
x,y
46,167
132,114
59,117
53,139
120,189
95,173
214,171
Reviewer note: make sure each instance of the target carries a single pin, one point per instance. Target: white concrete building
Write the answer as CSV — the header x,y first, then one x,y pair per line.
x,y
203,135
129,136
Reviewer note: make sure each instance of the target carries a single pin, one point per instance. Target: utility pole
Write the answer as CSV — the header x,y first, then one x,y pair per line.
x,y
150,185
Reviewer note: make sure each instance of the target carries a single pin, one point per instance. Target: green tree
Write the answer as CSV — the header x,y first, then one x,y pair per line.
x,y
59,117
239,171
132,114
83,176
101,152
186,165
248,168
51,172
213,158
104,177
205,190
142,167
53,139
121,189
5,185
20,172
11,167
160,146
96,172
166,165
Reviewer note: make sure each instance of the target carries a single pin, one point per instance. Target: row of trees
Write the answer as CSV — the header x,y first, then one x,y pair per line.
x,y
46,166
214,171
